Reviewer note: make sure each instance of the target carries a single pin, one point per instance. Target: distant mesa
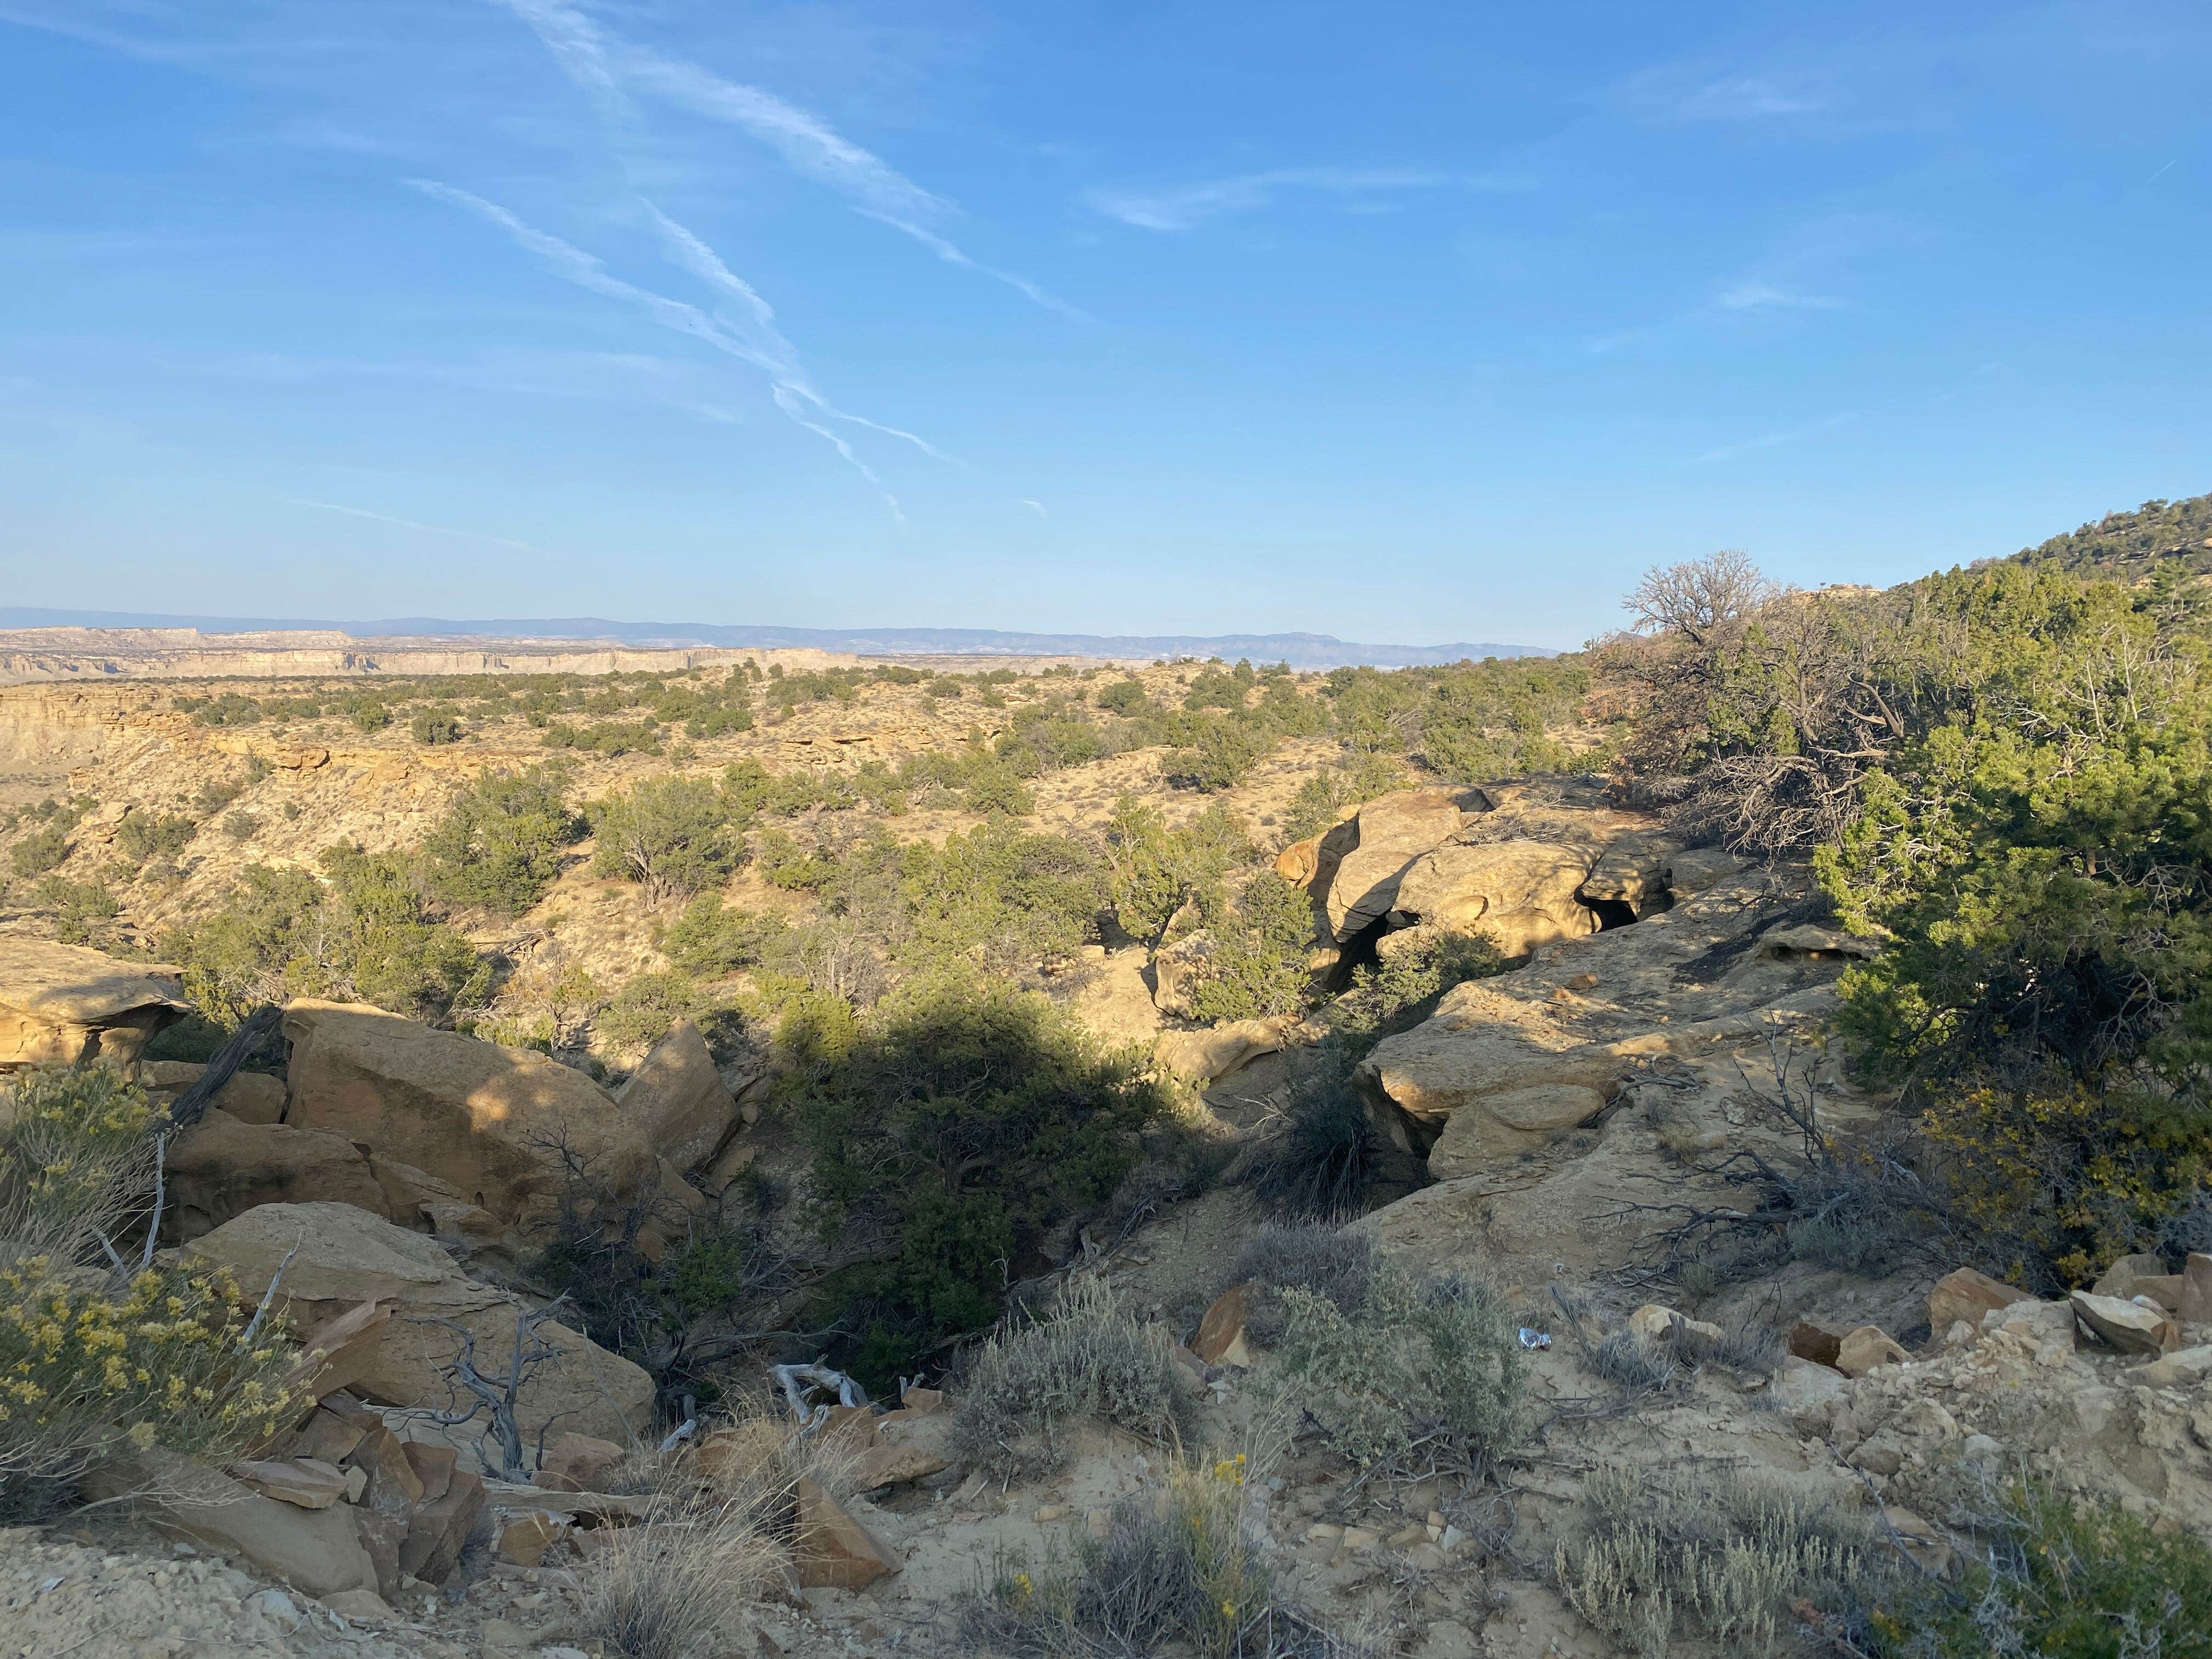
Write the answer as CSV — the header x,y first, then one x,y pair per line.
x,y
1299,650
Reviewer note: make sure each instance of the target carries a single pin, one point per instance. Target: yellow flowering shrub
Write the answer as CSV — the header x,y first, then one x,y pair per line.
x,y
89,1356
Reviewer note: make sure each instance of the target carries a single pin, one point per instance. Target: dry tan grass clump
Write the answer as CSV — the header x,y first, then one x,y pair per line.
x,y
724,1540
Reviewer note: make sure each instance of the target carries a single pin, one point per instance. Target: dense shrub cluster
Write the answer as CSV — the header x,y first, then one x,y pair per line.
x,y
949,1131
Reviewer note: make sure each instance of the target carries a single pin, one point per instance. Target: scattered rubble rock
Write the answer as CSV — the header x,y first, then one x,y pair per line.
x,y
1863,1350
1968,1295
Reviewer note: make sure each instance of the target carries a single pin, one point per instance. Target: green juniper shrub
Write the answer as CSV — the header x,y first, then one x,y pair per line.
x,y
1397,993
83,909
674,837
438,725
1153,870
959,1122
713,942
142,838
501,843
1258,965
1124,697
42,850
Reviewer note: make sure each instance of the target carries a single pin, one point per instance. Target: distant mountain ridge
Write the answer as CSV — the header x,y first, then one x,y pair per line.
x,y
1299,650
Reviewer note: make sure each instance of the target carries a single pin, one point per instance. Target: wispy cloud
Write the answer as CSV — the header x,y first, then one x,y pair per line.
x,y
1743,98
751,337
1771,439
611,69
415,524
1036,506
1754,296
952,256
1181,207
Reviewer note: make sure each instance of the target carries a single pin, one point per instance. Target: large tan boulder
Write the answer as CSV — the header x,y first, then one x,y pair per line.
x,y
249,1096
676,1099
1509,1122
317,1551
496,1124
1636,869
1385,836
1204,1056
220,1168
1480,1043
1517,894
65,1004
1966,1294
346,1256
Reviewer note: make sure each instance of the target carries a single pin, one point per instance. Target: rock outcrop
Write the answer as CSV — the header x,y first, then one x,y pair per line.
x,y
499,1126
676,1101
65,1004
220,1169
346,1256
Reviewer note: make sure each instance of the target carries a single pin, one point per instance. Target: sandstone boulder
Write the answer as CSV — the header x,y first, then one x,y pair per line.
x,y
1177,967
1220,1339
1867,1348
2128,1326
1385,836
834,1550
1635,871
676,1100
2125,1278
1208,1055
1481,1042
1517,894
1694,871
577,1463
1968,1295
907,1446
249,1096
65,1004
1511,1122
487,1119
346,1256
220,1168
2196,1290
317,1550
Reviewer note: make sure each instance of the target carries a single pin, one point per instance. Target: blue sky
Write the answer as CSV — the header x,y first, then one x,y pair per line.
x,y
1398,322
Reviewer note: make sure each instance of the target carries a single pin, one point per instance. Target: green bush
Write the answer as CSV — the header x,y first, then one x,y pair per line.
x,y
713,942
958,1123
362,932
1397,993
1123,697
1258,965
369,716
501,843
144,839
640,1013
1220,754
1153,870
40,851
81,909
1426,1370
436,726
2089,1582
674,837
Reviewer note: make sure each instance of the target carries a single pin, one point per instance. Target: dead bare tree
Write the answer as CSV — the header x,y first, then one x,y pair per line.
x,y
497,1397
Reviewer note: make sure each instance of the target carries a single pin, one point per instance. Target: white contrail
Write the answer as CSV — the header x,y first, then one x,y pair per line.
x,y
705,263
772,353
952,256
414,524
606,68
